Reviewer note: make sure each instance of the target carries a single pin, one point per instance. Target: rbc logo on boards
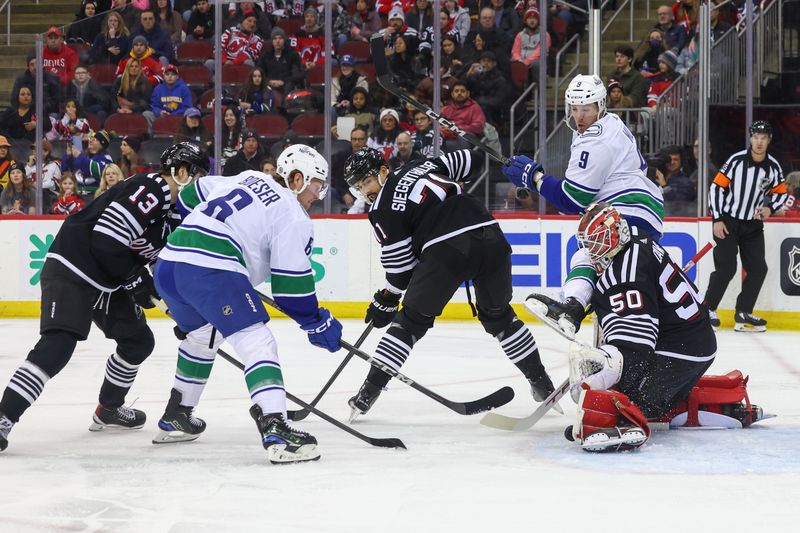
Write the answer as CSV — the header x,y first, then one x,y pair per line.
x,y
551,255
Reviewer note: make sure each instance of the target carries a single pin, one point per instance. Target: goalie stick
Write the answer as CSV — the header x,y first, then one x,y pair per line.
x,y
380,443
496,399
386,80
300,414
510,423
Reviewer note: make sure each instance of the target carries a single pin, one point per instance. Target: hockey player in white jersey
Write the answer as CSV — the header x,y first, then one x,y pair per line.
x,y
239,230
605,166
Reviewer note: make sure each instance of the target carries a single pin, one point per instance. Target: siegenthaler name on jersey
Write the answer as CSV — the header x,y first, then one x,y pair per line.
x,y
407,182
261,189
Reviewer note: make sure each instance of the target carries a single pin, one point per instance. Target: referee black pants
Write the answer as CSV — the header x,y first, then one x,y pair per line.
x,y
745,237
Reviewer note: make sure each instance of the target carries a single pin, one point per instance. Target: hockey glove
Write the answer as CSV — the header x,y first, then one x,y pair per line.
x,y
383,308
325,332
140,287
524,172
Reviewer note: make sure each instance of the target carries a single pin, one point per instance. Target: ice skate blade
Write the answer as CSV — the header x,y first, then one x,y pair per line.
x,y
278,454
169,437
96,425
354,414
539,310
747,328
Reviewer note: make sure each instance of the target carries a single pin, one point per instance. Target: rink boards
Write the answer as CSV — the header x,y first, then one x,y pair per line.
x,y
346,263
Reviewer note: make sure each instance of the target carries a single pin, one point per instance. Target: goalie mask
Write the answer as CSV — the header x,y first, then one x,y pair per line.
x,y
306,160
603,232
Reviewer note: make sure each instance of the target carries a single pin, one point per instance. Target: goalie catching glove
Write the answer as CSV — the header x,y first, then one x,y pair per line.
x,y
325,332
140,287
599,368
383,308
524,172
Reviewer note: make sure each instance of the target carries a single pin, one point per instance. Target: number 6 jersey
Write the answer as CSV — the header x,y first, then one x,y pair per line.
x,y
645,304
419,205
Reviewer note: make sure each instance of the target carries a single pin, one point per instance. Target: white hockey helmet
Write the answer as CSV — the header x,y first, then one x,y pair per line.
x,y
303,158
583,90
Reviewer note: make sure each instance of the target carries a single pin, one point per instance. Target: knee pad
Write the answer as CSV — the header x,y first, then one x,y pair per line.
x,y
254,343
53,351
497,321
415,323
136,348
609,415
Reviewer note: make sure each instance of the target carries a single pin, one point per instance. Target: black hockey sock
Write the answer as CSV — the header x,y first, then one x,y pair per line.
x,y
118,380
520,347
393,350
25,386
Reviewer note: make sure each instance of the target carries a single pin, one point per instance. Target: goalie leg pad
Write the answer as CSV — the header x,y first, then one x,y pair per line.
x,y
609,421
719,401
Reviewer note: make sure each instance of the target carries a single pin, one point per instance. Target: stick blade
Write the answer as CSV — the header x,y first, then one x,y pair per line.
x,y
498,398
296,416
389,443
510,423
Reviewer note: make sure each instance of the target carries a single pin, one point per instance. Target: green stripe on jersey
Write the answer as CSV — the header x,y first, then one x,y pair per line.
x,y
190,197
583,272
190,238
195,370
637,198
264,375
292,285
579,196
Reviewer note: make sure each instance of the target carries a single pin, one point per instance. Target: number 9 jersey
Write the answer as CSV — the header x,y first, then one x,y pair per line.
x,y
646,305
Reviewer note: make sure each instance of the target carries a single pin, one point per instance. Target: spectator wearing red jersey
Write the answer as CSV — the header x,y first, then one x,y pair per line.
x,y
240,44
662,80
59,58
309,41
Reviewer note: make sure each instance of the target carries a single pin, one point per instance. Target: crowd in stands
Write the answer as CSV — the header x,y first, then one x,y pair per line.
x,y
127,77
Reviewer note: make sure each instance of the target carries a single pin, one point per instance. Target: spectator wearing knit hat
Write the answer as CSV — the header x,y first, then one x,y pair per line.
x,y
309,40
633,83
157,38
263,23
527,44
281,64
661,81
87,167
396,26
616,97
248,158
240,44
130,162
151,67
50,83
384,136
18,197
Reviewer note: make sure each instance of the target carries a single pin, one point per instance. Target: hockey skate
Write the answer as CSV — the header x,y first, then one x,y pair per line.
x,y
363,400
541,388
122,417
616,439
5,428
715,323
564,317
178,423
283,443
747,417
749,322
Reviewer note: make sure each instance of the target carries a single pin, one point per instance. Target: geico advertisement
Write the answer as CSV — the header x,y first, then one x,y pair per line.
x,y
345,258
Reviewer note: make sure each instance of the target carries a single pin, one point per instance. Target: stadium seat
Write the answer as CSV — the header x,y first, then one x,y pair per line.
x,y
194,52
358,49
309,127
291,25
196,76
127,124
235,74
269,126
103,74
315,76
367,70
94,122
206,102
519,75
166,126
151,150
208,122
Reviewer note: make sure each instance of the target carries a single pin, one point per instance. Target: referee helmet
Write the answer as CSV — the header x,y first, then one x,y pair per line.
x,y
760,126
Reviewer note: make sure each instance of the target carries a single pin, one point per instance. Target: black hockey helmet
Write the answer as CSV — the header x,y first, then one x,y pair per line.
x,y
185,153
761,126
366,162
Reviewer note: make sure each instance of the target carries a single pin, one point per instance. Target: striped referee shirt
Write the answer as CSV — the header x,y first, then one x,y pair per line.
x,y
741,186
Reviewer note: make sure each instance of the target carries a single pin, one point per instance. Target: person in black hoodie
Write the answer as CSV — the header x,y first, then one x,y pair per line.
x,y
281,64
248,158
489,88
201,22
86,25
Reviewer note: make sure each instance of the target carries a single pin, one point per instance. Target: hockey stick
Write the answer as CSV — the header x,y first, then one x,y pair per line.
x,y
496,399
380,443
300,414
510,423
386,80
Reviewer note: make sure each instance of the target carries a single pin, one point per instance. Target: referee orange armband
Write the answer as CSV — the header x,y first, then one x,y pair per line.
x,y
722,180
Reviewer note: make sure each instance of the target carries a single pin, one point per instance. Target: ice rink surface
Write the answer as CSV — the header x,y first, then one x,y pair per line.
x,y
456,475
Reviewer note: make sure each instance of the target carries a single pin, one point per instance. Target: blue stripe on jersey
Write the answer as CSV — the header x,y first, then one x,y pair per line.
x,y
290,272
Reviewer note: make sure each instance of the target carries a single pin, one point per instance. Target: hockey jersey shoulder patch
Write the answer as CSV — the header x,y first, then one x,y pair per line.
x,y
595,130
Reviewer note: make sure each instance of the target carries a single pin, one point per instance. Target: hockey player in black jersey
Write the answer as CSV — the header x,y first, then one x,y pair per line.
x,y
434,237
95,271
657,342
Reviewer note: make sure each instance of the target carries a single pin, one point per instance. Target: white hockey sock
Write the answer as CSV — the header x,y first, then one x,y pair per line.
x,y
28,381
262,370
580,279
394,347
195,360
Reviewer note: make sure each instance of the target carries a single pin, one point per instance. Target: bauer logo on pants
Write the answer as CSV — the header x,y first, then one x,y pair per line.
x,y
790,267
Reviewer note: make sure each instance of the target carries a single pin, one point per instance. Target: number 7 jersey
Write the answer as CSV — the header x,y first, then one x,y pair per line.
x,y
645,303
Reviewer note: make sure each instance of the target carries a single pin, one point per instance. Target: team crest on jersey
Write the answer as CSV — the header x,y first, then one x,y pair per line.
x,y
227,310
